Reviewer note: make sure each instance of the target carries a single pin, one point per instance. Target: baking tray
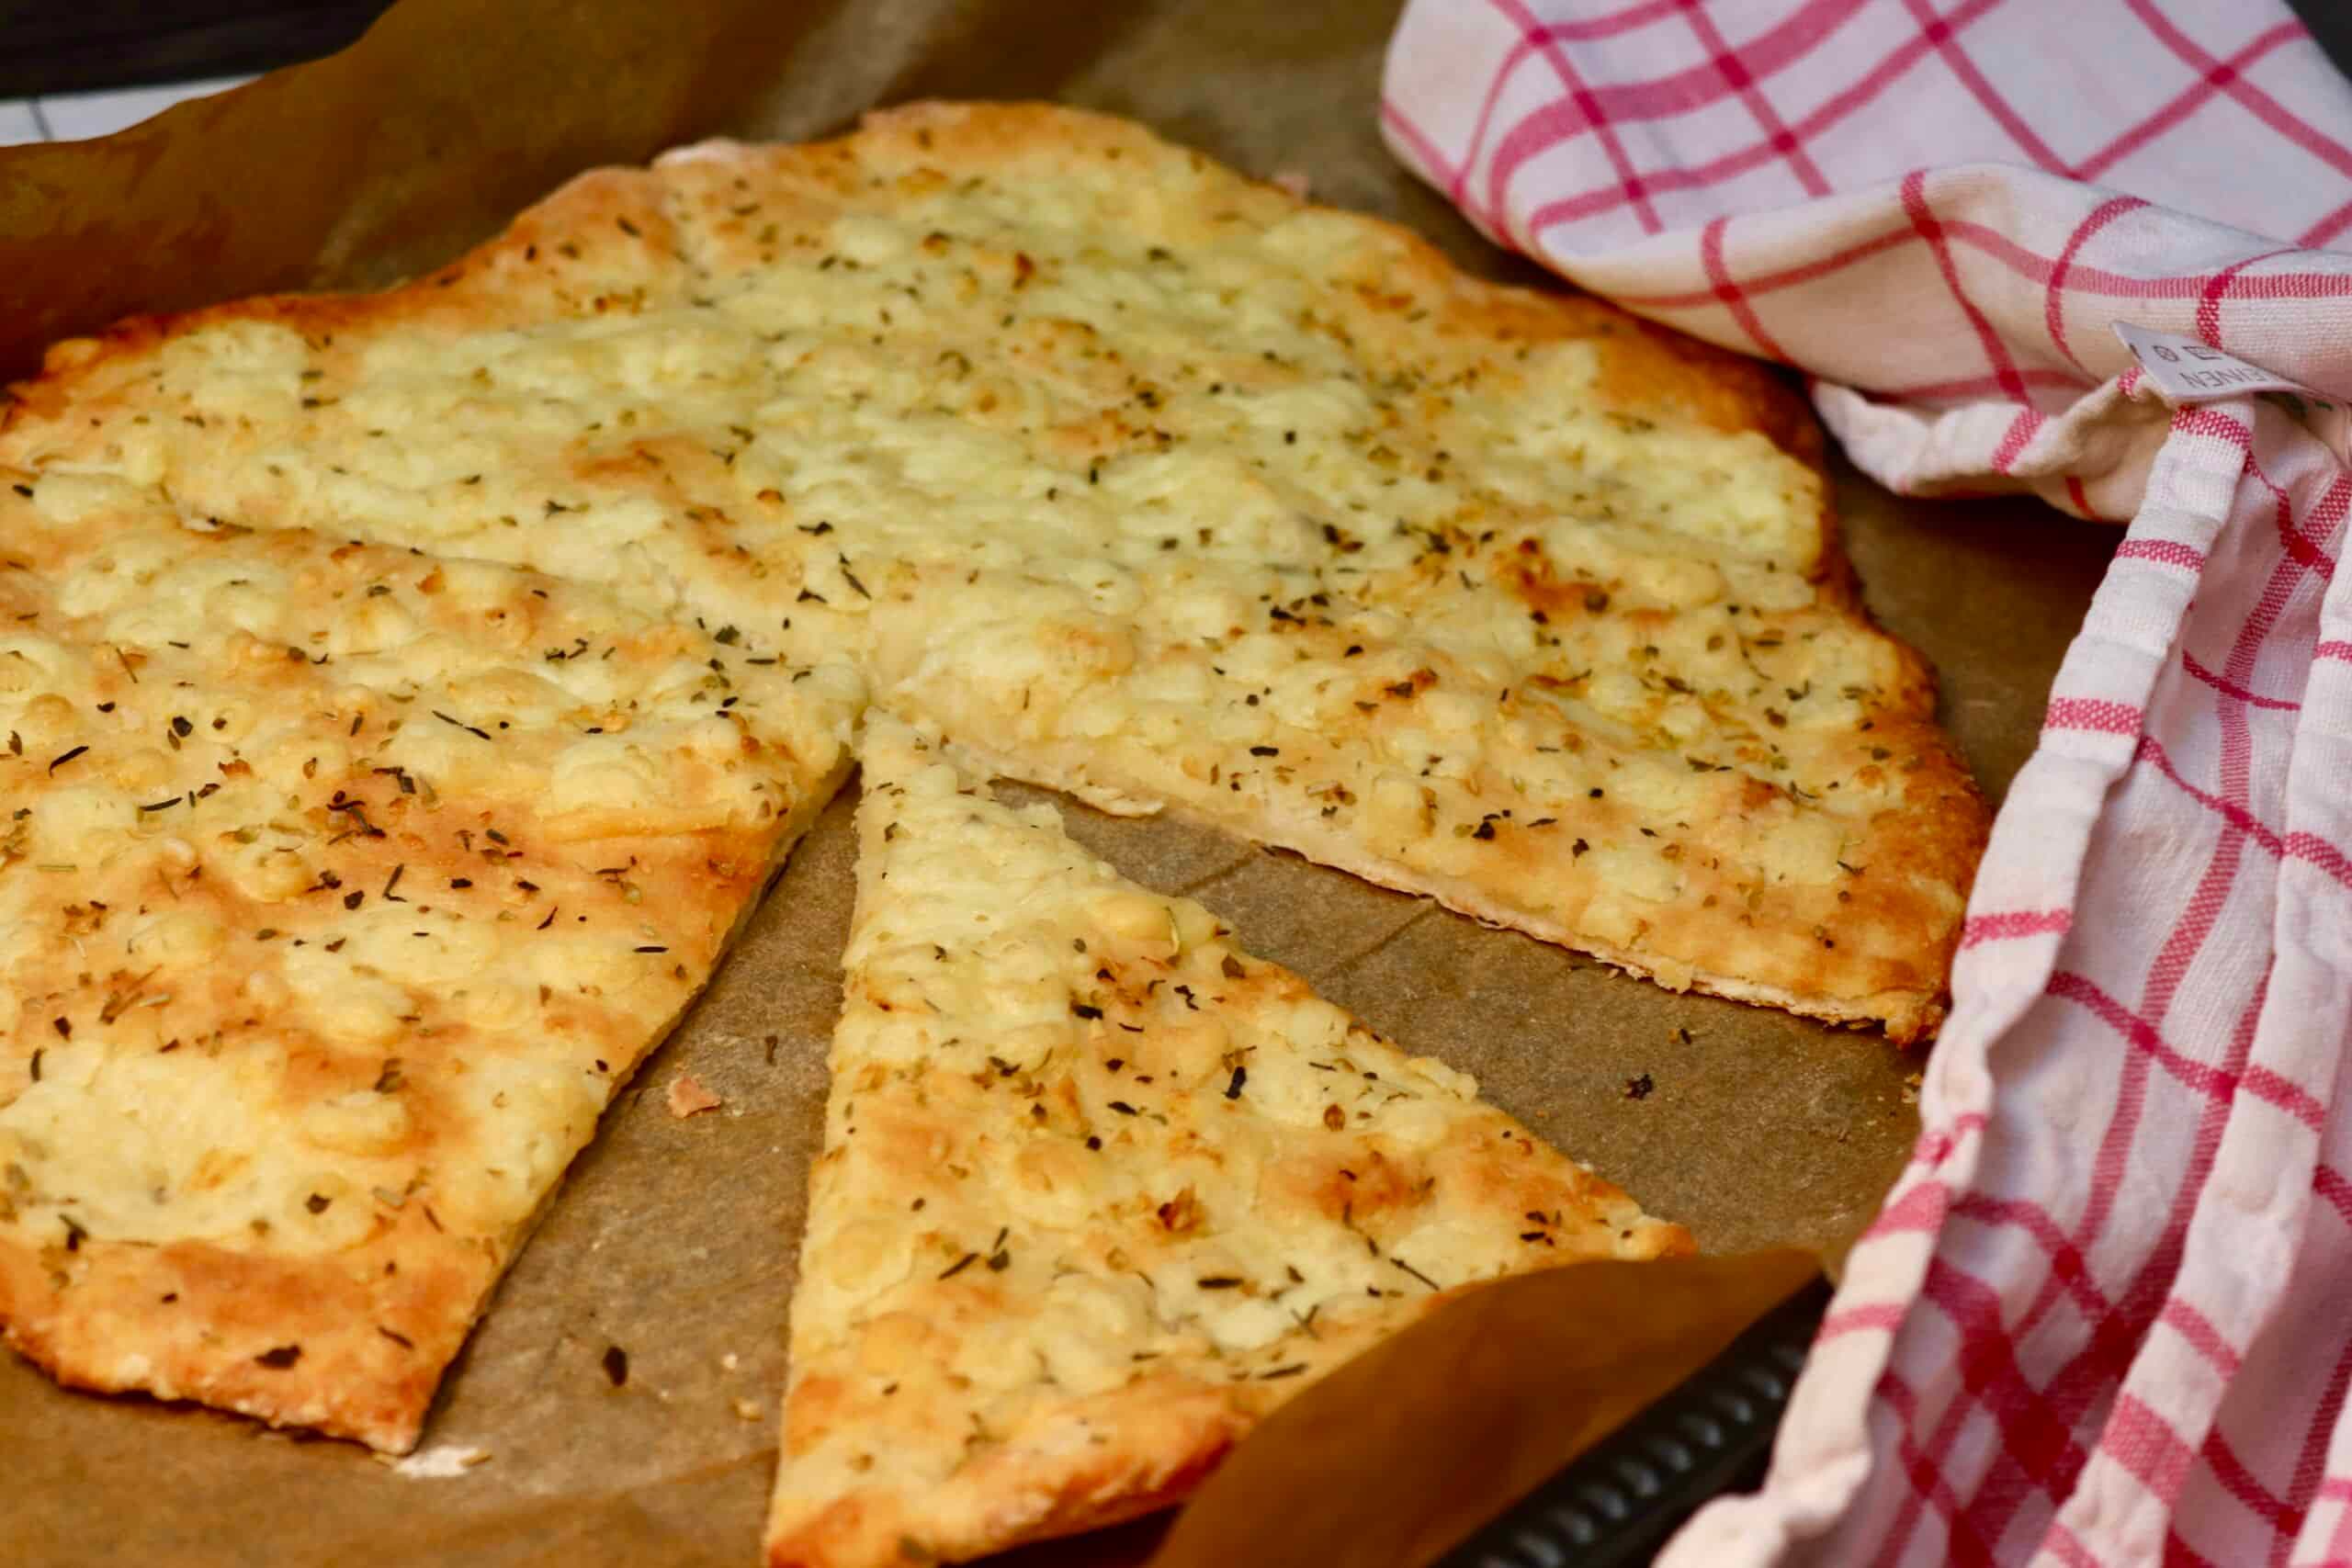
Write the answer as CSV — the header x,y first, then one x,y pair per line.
x,y
97,44
1617,1504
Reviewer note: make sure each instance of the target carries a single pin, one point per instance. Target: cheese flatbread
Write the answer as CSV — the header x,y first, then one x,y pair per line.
x,y
340,890
1099,1189
1154,483
406,694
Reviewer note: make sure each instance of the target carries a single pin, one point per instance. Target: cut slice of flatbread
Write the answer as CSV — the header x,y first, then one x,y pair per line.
x,y
341,889
1099,1189
1169,489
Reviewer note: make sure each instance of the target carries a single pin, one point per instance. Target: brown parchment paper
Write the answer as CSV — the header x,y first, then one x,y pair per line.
x,y
674,1240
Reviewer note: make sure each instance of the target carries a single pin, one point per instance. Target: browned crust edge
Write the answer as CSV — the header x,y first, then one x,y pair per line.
x,y
1165,1436
1159,1438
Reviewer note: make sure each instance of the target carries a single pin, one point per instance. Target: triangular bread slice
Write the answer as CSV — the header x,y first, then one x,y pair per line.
x,y
341,889
1100,1190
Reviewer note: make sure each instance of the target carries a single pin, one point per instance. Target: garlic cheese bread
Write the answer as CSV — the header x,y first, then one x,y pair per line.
x,y
1236,505
341,887
406,694
1099,1189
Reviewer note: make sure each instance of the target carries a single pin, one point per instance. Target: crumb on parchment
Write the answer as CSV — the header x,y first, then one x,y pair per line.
x,y
688,1097
438,1462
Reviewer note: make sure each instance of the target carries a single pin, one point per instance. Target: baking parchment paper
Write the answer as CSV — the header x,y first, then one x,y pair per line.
x,y
673,1239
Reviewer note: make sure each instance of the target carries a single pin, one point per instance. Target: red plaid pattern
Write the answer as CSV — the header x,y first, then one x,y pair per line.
x,y
2106,1315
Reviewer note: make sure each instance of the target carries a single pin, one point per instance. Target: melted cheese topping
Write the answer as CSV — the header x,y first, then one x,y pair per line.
x,y
1079,1144
1134,476
337,879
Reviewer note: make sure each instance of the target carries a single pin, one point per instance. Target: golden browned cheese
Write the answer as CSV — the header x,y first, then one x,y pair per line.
x,y
1152,482
340,890
1099,1189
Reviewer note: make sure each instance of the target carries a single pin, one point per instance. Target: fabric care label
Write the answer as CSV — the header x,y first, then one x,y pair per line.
x,y
2188,371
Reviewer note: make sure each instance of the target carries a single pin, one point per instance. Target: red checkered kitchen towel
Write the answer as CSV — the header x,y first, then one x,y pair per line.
x,y
2106,1316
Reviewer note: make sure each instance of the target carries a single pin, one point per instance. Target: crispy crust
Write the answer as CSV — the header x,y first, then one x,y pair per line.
x,y
193,1321
1145,1447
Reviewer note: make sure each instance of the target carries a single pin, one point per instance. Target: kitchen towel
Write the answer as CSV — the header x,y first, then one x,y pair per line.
x,y
2105,1315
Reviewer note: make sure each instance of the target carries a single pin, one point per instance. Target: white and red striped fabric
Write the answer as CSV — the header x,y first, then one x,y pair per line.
x,y
2106,1316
